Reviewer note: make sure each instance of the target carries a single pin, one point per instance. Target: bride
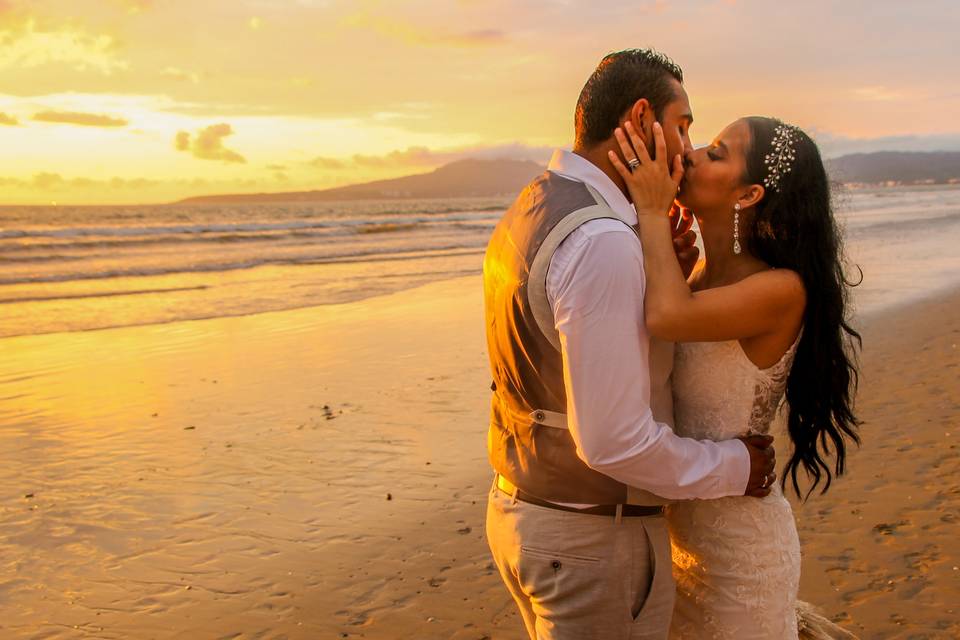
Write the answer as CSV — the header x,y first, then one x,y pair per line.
x,y
760,319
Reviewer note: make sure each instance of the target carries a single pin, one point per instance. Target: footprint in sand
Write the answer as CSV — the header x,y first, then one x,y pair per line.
x,y
922,560
889,529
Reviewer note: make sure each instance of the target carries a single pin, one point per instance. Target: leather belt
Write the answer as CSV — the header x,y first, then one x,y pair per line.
x,y
626,510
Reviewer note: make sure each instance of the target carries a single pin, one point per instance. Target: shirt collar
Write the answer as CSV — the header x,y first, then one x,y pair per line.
x,y
576,167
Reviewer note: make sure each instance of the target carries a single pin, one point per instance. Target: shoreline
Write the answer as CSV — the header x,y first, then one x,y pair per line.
x,y
871,311
322,472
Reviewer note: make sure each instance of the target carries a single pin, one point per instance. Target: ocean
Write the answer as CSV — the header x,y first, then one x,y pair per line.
x,y
69,268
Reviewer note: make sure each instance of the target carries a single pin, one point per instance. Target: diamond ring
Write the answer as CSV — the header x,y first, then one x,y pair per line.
x,y
633,163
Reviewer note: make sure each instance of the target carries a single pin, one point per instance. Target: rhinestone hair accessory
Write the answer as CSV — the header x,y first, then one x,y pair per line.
x,y
780,160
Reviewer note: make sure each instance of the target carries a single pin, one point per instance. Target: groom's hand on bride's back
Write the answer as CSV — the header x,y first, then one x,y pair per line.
x,y
763,462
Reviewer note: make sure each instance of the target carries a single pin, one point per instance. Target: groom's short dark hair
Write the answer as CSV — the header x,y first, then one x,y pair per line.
x,y
618,82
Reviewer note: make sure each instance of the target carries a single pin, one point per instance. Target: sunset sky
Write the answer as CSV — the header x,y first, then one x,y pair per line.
x,y
117,101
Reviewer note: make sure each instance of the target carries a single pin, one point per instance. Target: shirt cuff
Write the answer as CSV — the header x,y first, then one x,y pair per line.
x,y
738,468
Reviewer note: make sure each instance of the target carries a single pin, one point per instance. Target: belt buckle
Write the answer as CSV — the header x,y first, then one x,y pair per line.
x,y
507,487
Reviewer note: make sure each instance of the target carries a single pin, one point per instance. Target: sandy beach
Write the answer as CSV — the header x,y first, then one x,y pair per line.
x,y
321,473
244,381
880,549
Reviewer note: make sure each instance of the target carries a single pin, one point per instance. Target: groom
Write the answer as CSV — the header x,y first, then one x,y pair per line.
x,y
580,435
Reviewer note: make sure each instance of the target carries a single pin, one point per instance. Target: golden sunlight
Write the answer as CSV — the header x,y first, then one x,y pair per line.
x,y
257,286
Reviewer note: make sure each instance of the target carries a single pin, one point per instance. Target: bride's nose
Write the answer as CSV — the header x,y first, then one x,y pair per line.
x,y
693,156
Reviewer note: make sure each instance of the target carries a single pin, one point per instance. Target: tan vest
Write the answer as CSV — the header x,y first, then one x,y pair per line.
x,y
528,442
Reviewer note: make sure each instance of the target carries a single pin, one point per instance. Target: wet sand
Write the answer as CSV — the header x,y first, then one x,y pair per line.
x,y
321,473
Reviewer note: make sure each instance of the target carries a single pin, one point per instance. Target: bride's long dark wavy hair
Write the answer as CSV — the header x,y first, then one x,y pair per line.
x,y
794,228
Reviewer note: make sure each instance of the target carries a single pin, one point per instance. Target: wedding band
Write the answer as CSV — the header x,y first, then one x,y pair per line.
x,y
766,481
633,163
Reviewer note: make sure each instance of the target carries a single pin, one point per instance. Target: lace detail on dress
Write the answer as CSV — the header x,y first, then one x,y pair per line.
x,y
769,391
736,560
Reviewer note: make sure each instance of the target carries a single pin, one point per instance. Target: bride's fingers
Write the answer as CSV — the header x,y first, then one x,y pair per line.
x,y
660,145
625,148
638,143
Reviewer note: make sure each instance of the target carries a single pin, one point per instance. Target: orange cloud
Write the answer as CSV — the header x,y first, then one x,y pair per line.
x,y
180,74
321,162
47,180
81,119
50,181
412,156
420,157
4,118
30,44
413,34
136,6
182,141
207,144
877,93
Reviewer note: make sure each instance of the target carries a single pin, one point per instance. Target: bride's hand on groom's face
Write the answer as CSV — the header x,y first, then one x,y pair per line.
x,y
652,182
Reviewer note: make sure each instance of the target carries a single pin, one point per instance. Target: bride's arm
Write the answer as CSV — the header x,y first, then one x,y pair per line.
x,y
754,306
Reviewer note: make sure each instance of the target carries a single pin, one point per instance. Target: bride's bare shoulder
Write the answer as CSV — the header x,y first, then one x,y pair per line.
x,y
785,284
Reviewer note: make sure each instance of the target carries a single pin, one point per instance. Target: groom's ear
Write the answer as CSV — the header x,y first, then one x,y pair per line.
x,y
642,117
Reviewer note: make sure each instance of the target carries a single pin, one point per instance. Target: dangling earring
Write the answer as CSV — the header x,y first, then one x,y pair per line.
x,y
736,229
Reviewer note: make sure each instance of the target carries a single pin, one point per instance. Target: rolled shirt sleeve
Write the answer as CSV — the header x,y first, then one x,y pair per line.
x,y
596,286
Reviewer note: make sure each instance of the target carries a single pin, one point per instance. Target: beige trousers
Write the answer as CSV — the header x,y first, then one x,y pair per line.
x,y
582,577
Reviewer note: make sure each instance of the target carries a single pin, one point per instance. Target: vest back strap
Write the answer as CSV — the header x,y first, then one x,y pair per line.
x,y
537,284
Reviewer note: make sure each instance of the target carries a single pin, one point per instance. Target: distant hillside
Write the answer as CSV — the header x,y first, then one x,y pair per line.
x,y
486,178
904,167
463,178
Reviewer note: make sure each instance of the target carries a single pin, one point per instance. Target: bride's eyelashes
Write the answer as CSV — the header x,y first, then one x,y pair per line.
x,y
716,151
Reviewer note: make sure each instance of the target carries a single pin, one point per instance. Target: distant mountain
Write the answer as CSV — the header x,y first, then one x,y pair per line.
x,y
486,178
463,178
903,167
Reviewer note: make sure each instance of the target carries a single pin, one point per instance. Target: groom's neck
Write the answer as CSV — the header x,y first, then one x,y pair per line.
x,y
598,156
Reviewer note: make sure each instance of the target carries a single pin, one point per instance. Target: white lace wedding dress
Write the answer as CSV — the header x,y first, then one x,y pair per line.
x,y
736,560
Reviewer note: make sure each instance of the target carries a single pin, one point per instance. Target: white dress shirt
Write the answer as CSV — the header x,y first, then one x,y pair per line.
x,y
595,286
